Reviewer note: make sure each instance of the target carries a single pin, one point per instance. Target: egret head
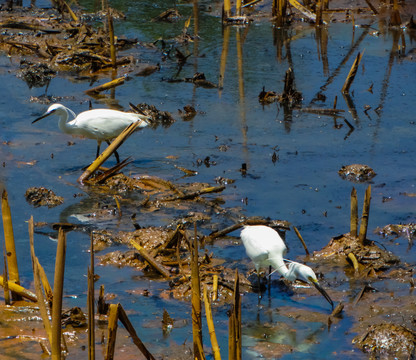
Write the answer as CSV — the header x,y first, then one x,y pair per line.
x,y
306,274
53,109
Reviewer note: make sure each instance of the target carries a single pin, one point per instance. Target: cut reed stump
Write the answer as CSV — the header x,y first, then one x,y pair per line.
x,y
363,254
10,245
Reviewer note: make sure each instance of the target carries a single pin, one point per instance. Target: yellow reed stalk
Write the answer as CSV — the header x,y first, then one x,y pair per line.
x,y
196,300
211,328
227,9
129,327
18,289
9,241
108,85
150,260
366,213
90,302
118,205
71,13
237,315
41,300
301,240
117,142
231,336
44,279
215,287
238,8
354,261
58,287
5,283
354,213
351,75
112,331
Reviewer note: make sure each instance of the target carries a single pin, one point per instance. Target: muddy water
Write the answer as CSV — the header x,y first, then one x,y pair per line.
x,y
232,128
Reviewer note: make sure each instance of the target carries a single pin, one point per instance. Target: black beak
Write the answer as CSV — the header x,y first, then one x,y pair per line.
x,y
323,292
43,116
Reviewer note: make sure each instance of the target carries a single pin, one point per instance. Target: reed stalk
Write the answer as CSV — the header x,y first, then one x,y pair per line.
x,y
18,289
196,300
231,336
112,331
41,301
117,142
215,287
395,19
58,287
9,241
366,213
90,301
43,278
226,10
102,307
211,327
301,240
237,314
108,85
5,283
354,213
351,75
354,261
234,323
129,327
150,260
238,7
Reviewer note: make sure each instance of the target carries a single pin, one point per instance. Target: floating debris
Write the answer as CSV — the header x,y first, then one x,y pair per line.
x,y
40,196
170,15
357,173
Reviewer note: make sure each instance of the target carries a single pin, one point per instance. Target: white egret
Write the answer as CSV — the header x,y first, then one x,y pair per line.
x,y
265,247
98,124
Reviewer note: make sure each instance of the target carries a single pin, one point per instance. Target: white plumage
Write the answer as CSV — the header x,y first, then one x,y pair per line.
x,y
98,124
265,247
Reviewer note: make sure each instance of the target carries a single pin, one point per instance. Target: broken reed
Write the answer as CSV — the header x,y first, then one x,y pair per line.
x,y
58,287
354,213
234,323
279,11
226,10
211,327
196,299
90,303
38,287
116,313
9,241
115,144
301,240
366,213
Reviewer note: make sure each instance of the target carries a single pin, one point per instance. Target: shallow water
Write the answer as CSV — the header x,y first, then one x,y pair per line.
x,y
303,186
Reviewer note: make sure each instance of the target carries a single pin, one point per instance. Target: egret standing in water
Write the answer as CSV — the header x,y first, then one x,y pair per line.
x,y
98,124
265,247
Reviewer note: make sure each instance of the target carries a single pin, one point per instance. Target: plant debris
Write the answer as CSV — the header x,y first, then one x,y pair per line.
x,y
40,196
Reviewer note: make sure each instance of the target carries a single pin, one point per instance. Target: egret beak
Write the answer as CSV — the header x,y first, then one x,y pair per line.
x,y
43,116
322,291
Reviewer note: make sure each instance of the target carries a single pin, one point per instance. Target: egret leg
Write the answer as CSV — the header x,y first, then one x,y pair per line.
x,y
259,284
115,152
98,148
